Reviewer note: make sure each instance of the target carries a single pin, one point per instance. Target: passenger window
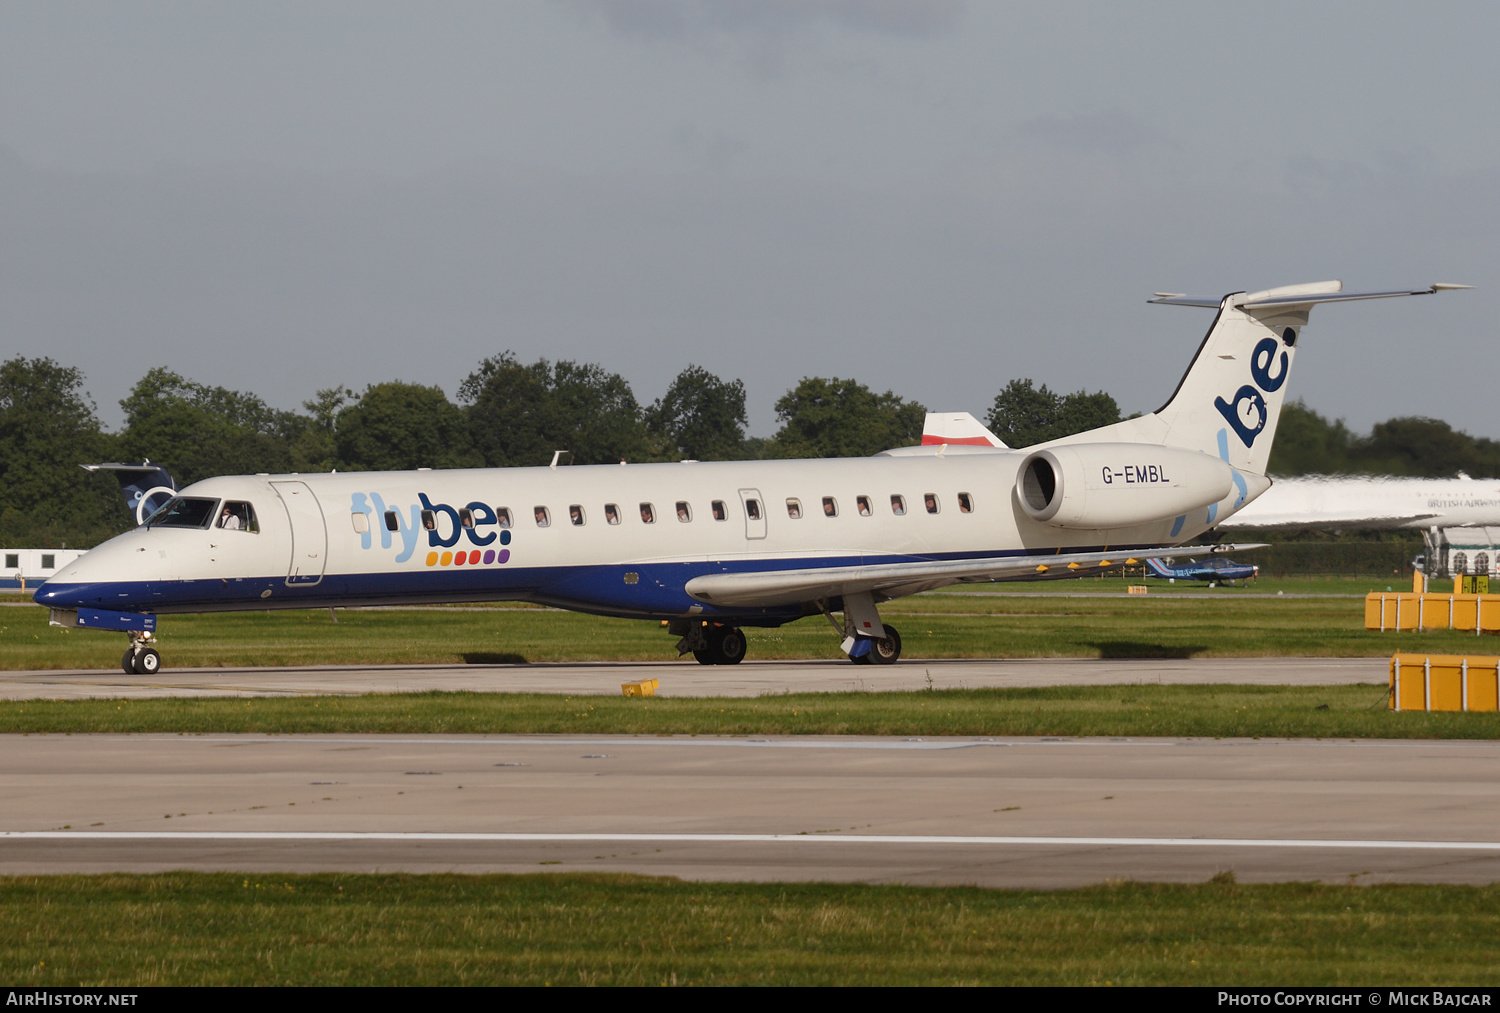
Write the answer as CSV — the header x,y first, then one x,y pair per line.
x,y
648,513
466,517
929,500
575,515
684,513
752,508
863,503
830,508
543,518
898,505
392,522
429,520
965,503
718,508
793,508
503,513
361,522
240,516
611,513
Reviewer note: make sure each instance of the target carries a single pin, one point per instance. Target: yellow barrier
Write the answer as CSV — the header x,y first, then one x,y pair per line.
x,y
640,687
1136,589
1407,611
1444,682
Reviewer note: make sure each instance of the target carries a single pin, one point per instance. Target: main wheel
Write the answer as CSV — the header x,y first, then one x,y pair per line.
x,y
731,646
128,662
885,650
726,646
148,662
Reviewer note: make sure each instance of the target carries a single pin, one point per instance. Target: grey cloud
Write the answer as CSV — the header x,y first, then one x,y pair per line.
x,y
763,35
1113,131
679,19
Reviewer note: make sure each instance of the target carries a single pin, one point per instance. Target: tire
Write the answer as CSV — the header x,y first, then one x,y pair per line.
x,y
705,656
731,646
127,663
886,650
863,659
148,662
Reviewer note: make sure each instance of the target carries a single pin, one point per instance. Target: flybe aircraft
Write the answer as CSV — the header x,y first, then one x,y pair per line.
x,y
709,549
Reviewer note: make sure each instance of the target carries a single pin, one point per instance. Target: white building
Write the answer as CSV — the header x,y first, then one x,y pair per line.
x,y
26,568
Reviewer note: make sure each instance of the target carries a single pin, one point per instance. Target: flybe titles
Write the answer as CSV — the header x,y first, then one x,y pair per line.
x,y
443,526
1247,414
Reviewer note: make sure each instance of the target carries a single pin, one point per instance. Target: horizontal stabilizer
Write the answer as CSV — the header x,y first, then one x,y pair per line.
x,y
1294,295
786,587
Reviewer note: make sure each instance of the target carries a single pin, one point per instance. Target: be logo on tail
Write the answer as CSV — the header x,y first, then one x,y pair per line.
x,y
1247,413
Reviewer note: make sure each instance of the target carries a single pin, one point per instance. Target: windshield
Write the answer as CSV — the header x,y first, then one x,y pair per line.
x,y
184,512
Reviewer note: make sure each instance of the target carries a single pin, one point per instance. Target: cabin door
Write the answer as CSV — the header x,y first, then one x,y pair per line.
x,y
755,513
309,535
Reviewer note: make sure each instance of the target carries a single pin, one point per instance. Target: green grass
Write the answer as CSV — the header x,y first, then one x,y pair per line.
x,y
1141,710
268,929
1225,623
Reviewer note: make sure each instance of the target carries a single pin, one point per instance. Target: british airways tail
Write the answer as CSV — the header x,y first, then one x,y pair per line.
x,y
957,429
1229,400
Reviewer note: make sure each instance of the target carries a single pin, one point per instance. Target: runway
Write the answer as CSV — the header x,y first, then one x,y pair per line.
x,y
1001,813
685,678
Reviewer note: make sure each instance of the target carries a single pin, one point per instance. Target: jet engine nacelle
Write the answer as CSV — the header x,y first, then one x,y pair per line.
x,y
1116,485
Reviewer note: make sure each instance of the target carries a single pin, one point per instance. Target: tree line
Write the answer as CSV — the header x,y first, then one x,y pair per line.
x,y
509,414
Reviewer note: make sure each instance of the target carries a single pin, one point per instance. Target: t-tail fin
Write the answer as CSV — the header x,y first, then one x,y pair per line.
x,y
146,486
1230,398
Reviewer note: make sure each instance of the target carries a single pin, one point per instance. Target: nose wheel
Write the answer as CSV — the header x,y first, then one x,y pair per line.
x,y
140,658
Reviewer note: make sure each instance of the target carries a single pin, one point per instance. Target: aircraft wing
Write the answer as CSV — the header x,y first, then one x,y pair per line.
x,y
892,580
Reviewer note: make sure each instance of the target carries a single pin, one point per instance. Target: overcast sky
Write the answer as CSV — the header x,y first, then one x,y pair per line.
x,y
933,197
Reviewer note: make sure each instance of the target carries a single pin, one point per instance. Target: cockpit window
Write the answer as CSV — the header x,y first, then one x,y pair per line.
x,y
240,516
184,512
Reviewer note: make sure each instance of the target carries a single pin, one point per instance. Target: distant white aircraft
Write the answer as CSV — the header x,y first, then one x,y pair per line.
x,y
1368,502
713,548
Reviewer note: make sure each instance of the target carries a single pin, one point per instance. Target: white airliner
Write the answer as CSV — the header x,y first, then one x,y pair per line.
x,y
712,548
1344,502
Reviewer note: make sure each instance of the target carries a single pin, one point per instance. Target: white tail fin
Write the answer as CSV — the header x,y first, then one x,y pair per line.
x,y
1230,398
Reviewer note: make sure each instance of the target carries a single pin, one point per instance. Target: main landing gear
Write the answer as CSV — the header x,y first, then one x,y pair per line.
x,y
867,640
711,643
141,658
882,650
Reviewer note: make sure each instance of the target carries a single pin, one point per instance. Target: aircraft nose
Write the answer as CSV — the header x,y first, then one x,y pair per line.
x,y
93,580
69,595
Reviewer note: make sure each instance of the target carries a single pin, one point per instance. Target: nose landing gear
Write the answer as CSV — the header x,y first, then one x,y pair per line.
x,y
140,657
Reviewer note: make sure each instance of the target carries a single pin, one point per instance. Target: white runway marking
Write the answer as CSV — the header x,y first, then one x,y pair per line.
x,y
1090,842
